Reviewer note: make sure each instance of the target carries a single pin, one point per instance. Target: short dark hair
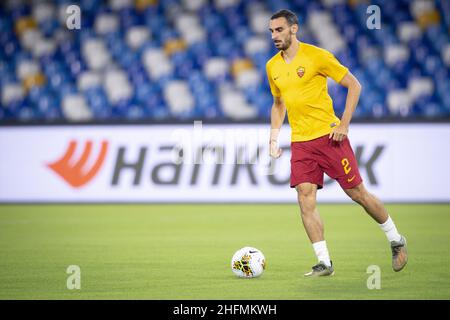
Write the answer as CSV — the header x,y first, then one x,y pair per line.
x,y
290,17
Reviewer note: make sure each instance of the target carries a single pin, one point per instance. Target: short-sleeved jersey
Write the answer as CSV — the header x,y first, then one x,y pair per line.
x,y
302,84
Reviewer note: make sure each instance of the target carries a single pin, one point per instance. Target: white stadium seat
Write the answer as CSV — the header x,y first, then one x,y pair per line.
x,y
75,108
136,36
117,85
395,53
234,105
95,53
106,23
89,79
216,67
408,31
399,102
248,78
11,92
419,87
26,68
44,47
43,11
156,63
179,97
256,44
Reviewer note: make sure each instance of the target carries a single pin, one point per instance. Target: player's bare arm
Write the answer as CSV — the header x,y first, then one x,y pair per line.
x,y
354,90
278,114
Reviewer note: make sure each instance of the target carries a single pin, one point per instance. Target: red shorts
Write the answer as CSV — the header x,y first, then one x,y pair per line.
x,y
311,159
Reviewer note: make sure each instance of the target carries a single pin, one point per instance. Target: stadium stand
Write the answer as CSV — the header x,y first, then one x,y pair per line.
x,y
197,59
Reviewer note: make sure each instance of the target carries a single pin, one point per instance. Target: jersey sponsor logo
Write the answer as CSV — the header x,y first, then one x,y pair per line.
x,y
76,174
300,71
351,179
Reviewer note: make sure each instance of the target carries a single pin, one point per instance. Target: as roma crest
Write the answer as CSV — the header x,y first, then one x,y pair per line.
x,y
300,71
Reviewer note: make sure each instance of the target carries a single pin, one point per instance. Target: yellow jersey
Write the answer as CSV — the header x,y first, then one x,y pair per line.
x,y
302,84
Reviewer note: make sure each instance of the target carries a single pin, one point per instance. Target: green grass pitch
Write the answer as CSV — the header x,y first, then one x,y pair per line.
x,y
184,252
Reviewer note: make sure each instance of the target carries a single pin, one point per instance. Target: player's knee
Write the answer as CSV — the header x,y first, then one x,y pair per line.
x,y
305,190
306,202
306,198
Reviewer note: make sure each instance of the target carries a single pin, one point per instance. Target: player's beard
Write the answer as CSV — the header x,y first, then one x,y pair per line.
x,y
285,44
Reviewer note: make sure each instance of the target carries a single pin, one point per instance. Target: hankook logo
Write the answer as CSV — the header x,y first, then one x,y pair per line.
x,y
164,171
77,175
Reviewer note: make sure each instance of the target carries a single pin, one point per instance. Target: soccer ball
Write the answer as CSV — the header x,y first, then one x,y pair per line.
x,y
248,262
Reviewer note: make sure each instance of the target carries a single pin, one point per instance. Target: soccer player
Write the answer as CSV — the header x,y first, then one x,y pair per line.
x,y
319,144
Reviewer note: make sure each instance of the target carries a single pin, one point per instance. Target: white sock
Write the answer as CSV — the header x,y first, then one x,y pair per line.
x,y
320,248
390,230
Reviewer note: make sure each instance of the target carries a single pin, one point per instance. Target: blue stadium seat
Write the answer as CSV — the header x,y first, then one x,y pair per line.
x,y
227,31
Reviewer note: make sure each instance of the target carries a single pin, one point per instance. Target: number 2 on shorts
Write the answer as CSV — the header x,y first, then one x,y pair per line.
x,y
346,165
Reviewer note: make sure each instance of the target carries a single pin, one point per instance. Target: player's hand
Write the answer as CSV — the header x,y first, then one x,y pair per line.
x,y
339,133
275,151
